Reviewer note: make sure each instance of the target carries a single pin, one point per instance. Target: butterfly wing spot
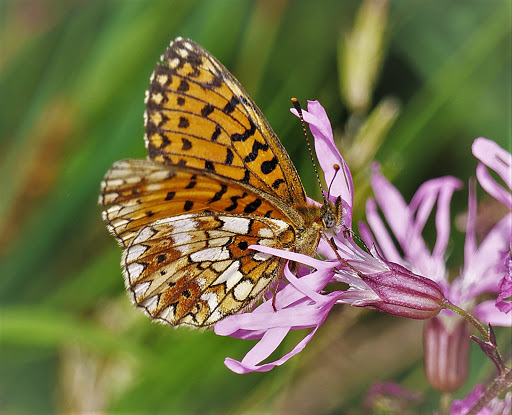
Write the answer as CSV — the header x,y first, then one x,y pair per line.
x,y
162,79
144,235
173,63
261,256
253,206
139,290
120,223
265,233
181,238
167,314
157,98
150,303
109,198
135,270
212,299
269,166
218,241
183,86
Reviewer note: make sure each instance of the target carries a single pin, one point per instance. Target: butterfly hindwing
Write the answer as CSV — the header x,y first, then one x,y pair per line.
x,y
195,269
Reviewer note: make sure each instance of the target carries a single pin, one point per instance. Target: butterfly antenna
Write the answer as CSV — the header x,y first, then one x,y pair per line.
x,y
297,106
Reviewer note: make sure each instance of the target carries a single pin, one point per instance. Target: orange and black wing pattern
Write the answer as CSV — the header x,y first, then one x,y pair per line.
x,y
198,115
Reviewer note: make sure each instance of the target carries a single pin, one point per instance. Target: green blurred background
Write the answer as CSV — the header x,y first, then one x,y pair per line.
x,y
434,75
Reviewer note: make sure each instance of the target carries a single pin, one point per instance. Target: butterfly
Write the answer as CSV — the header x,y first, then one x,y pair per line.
x,y
217,180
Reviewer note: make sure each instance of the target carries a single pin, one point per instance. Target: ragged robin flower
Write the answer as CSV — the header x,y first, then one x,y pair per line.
x,y
498,159
302,302
446,337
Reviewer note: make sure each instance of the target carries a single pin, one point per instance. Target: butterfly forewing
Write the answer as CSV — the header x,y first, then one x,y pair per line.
x,y
199,115
217,181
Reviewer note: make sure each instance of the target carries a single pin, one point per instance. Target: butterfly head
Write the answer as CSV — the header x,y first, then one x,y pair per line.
x,y
332,213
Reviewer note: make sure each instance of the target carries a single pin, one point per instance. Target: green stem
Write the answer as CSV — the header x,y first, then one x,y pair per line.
x,y
469,317
445,404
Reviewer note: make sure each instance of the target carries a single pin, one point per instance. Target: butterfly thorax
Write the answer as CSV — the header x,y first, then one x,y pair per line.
x,y
318,219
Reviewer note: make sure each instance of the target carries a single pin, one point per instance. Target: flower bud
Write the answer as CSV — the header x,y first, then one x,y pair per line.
x,y
446,353
404,293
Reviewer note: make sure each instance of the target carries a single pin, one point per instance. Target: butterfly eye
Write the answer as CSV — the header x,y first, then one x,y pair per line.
x,y
329,220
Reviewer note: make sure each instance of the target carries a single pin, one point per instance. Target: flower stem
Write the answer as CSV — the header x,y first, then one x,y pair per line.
x,y
469,317
497,386
446,401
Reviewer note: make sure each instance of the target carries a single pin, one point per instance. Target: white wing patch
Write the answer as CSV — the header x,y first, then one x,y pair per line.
x,y
235,224
134,252
243,290
230,276
140,289
144,235
134,270
218,253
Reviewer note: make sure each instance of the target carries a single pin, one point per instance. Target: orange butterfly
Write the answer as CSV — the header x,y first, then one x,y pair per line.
x,y
216,181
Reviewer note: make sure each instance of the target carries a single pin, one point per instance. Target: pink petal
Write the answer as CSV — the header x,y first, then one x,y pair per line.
x,y
240,367
489,314
438,190
462,406
301,285
264,348
384,240
328,155
492,187
392,204
292,256
271,337
494,157
470,243
484,268
498,159
504,300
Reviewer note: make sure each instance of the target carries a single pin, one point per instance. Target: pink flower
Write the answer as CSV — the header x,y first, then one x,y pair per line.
x,y
302,303
374,282
446,352
385,286
329,157
480,274
499,160
481,271
505,292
